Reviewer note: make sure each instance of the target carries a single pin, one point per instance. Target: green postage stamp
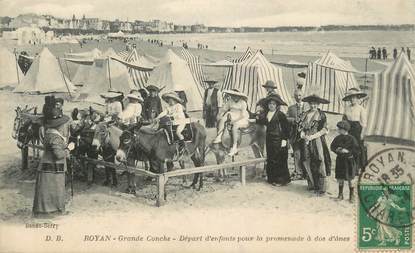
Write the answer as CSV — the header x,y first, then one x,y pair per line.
x,y
385,208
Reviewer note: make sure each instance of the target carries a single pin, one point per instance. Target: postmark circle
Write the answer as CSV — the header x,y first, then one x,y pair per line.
x,y
386,185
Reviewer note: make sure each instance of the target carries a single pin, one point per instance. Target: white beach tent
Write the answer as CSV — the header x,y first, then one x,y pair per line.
x,y
173,74
10,72
45,75
104,74
84,61
249,76
332,76
391,106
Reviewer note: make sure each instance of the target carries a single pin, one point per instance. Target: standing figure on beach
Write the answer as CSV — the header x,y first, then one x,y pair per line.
x,y
355,115
395,53
152,105
294,115
347,149
384,53
408,53
277,133
315,153
50,189
212,102
379,54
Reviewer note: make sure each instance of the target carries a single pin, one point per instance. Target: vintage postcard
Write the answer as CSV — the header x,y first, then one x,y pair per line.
x,y
207,126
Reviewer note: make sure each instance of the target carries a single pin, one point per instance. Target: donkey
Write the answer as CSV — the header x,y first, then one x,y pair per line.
x,y
153,145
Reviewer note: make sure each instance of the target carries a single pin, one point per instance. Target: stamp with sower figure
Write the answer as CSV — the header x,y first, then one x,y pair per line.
x,y
385,210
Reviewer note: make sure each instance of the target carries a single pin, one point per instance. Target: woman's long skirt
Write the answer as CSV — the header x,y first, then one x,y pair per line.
x,y
277,162
49,193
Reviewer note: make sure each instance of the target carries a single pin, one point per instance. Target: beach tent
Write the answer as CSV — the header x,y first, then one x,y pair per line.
x,y
249,76
84,61
247,54
391,106
194,66
83,57
332,77
10,72
45,75
139,66
173,74
105,73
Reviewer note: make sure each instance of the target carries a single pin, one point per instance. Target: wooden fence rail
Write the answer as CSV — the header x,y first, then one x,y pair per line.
x,y
163,177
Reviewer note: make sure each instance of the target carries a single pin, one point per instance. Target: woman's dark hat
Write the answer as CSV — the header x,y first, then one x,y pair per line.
x,y
344,125
153,88
270,84
55,118
315,98
354,92
276,98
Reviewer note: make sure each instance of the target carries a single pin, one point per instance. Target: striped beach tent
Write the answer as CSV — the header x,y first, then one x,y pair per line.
x,y
249,76
194,66
139,77
332,77
391,106
248,53
228,77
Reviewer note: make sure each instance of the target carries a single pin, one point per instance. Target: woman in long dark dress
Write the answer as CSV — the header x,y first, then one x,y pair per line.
x,y
355,115
315,153
50,181
277,134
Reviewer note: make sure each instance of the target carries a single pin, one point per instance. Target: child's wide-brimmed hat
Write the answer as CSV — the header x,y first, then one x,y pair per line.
x,y
171,95
354,92
135,97
236,93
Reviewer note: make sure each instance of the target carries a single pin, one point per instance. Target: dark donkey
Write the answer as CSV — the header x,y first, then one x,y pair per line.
x,y
146,143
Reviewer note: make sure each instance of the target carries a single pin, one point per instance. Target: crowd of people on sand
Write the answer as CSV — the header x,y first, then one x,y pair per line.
x,y
382,53
303,127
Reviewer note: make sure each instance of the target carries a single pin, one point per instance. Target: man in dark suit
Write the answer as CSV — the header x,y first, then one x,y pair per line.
x,y
294,115
212,101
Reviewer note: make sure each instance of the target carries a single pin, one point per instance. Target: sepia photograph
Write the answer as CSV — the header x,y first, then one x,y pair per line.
x,y
207,126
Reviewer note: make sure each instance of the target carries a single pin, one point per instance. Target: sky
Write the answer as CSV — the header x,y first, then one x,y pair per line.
x,y
267,13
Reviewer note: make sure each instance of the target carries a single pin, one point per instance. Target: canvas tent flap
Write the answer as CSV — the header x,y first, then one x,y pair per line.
x,y
221,63
10,72
391,106
249,76
173,74
103,75
45,75
330,76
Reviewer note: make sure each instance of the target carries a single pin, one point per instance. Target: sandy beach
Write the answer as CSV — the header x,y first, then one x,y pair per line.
x,y
217,207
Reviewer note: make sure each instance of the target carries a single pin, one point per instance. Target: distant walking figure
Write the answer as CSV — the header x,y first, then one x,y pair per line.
x,y
408,52
379,55
234,48
384,53
395,53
